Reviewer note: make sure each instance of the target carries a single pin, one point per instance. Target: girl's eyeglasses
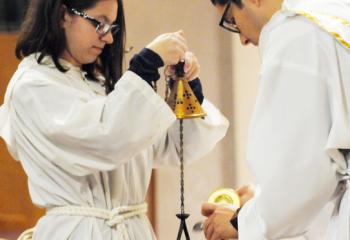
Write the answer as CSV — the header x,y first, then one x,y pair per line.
x,y
102,28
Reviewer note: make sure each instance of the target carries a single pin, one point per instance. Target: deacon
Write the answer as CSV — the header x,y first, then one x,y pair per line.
x,y
299,138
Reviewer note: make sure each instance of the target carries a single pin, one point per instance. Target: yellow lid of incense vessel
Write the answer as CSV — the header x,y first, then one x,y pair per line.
x,y
225,196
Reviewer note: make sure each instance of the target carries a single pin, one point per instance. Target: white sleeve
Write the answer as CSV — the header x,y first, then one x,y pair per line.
x,y
287,145
200,137
84,134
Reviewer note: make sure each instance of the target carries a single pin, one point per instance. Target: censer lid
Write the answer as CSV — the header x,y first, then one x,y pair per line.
x,y
225,196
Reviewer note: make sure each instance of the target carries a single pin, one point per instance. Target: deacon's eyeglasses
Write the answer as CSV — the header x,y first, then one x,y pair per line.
x,y
228,21
102,28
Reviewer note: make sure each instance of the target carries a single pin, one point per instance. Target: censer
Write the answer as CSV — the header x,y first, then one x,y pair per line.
x,y
185,105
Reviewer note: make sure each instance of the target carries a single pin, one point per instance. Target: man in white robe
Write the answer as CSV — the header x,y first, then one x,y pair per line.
x,y
299,138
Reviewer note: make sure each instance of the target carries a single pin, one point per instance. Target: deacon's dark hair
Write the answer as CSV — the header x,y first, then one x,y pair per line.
x,y
224,2
42,33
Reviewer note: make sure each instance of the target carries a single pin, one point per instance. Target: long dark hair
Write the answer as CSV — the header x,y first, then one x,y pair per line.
x,y
41,33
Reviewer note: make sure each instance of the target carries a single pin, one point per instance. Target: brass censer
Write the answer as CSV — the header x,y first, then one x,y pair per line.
x,y
185,105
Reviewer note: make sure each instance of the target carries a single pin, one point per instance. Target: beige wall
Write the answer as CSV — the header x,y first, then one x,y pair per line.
x,y
245,66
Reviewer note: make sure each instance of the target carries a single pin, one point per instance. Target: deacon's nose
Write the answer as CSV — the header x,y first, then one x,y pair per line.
x,y
244,39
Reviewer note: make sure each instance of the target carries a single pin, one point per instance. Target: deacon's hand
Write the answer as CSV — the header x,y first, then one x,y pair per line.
x,y
218,225
245,193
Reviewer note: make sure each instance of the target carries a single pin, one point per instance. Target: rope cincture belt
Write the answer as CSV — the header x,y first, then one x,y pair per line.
x,y
114,217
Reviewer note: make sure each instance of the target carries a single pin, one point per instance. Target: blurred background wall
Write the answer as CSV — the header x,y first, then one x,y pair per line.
x,y
16,210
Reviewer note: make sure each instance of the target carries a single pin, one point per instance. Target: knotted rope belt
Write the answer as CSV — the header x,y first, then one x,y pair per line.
x,y
114,217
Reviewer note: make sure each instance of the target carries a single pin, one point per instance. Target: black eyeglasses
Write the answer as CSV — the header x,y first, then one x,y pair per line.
x,y
228,21
102,28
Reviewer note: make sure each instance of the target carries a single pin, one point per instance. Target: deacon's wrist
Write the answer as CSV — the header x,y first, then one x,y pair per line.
x,y
234,219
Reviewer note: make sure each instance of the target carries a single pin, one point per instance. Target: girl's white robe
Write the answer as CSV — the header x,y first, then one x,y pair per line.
x,y
81,147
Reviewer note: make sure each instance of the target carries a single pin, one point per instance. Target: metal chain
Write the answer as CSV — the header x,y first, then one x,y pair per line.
x,y
167,89
182,182
154,85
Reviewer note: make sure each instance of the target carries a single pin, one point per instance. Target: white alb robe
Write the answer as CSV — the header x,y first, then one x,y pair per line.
x,y
81,147
301,120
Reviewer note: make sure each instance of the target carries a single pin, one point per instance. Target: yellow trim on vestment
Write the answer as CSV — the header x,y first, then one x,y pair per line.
x,y
336,35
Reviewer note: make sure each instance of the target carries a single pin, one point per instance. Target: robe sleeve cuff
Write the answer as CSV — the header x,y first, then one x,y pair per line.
x,y
146,64
251,225
197,89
